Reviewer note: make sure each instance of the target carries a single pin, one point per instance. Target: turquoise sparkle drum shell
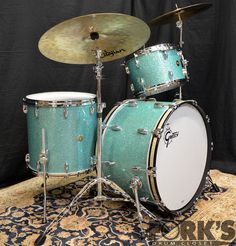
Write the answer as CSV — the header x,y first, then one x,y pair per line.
x,y
155,69
167,145
69,120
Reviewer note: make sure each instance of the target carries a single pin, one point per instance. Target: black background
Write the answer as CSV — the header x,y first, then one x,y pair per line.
x,y
210,40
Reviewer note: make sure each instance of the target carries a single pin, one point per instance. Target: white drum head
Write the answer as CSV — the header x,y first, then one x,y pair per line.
x,y
181,157
61,96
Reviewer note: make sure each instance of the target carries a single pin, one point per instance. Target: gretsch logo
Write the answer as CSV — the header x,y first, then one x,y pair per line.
x,y
169,135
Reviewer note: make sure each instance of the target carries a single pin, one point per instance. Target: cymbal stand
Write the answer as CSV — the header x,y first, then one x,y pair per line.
x,y
99,180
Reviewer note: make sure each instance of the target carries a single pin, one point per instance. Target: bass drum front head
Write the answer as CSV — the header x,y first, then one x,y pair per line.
x,y
182,157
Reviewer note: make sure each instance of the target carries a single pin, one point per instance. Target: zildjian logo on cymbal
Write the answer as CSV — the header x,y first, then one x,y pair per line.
x,y
111,53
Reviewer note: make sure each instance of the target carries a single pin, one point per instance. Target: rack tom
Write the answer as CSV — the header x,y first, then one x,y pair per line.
x,y
156,69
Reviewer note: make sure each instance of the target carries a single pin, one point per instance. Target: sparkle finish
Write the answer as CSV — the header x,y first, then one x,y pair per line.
x,y
155,68
128,148
167,145
69,140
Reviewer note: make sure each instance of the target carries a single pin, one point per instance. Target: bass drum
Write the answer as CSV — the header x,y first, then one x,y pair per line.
x,y
167,145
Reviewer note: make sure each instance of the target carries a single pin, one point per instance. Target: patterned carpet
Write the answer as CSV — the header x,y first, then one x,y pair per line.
x,y
115,223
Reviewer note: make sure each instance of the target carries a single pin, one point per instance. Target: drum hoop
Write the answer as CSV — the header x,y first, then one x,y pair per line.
x,y
152,157
158,47
71,174
162,87
53,104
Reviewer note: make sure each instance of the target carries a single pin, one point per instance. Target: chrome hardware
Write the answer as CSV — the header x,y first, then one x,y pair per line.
x,y
132,87
141,81
138,169
108,163
165,55
25,108
151,171
159,105
65,110
66,167
151,99
38,166
194,102
104,105
208,119
54,104
173,105
91,108
115,128
170,74
132,103
144,199
212,146
142,131
158,132
43,155
136,60
135,182
93,161
27,159
36,110
127,70
185,64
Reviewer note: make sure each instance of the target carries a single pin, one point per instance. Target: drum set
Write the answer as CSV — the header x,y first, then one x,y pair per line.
x,y
147,151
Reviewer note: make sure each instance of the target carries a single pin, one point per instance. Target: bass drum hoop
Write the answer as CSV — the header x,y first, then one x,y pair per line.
x,y
152,157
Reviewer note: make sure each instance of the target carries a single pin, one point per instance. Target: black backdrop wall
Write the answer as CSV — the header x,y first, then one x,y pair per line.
x,y
210,39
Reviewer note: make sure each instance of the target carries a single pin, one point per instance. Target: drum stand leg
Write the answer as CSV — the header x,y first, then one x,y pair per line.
x,y
43,162
213,185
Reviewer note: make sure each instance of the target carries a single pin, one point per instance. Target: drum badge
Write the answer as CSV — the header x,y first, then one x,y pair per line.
x,y
169,135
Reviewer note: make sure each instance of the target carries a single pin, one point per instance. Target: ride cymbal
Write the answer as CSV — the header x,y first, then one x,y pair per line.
x,y
184,13
75,41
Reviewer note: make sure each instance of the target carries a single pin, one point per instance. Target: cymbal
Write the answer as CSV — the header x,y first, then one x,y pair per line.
x,y
184,13
71,41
